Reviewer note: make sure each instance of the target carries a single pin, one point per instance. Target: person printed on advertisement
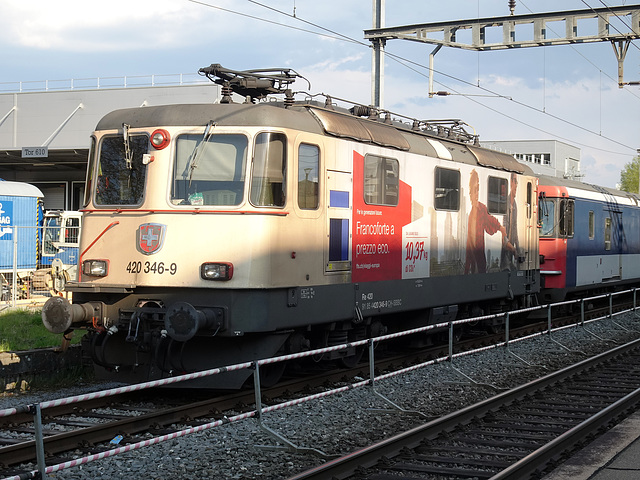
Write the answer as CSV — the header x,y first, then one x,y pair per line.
x,y
508,257
480,221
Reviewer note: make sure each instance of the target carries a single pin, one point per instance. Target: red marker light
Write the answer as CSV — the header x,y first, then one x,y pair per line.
x,y
160,139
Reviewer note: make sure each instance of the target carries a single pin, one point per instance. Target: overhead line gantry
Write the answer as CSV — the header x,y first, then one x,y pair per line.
x,y
446,34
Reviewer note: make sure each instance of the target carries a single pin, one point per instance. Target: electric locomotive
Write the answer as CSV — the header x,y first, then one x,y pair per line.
x,y
220,233
589,238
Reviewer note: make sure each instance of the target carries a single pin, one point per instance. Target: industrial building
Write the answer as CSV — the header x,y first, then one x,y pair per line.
x,y
45,127
545,157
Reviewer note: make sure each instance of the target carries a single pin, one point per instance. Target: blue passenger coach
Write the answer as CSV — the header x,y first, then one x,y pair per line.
x,y
589,238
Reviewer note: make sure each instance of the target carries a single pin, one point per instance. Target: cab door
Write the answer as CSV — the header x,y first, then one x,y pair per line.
x,y
531,251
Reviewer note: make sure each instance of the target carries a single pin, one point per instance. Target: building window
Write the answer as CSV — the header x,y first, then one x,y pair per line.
x,y
447,189
537,158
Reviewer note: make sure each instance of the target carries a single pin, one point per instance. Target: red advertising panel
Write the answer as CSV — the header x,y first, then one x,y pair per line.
x,y
377,249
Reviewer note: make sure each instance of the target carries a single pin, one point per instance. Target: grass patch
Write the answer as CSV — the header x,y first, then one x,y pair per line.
x,y
23,330
70,377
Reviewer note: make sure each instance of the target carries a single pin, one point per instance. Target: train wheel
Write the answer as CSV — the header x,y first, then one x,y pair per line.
x,y
352,360
358,333
271,374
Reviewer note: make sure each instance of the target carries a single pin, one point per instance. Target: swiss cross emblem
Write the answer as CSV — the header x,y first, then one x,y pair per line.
x,y
150,237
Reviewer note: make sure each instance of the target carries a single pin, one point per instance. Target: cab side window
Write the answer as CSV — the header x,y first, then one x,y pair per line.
x,y
72,231
308,176
268,170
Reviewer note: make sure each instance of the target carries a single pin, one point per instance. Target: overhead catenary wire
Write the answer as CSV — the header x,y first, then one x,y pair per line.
x,y
403,61
543,111
621,19
522,104
577,51
253,17
522,122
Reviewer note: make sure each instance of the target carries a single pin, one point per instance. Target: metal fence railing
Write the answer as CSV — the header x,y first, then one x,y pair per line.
x,y
102,83
260,410
36,261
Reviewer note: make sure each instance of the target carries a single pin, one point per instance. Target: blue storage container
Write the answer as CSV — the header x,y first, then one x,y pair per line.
x,y
21,219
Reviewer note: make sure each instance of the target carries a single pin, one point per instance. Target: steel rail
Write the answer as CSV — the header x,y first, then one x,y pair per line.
x,y
346,466
568,440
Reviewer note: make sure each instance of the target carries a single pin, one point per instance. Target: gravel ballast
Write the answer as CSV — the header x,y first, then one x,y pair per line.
x,y
344,422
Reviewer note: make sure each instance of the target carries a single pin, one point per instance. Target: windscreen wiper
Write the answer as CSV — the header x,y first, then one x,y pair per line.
x,y
197,150
128,154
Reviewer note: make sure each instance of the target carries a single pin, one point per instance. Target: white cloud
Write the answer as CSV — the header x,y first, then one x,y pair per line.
x,y
73,38
83,26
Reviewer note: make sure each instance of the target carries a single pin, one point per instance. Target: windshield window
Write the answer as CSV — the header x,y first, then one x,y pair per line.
x,y
51,235
210,174
121,182
547,209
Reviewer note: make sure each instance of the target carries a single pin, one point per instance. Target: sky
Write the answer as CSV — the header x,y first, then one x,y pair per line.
x,y
566,93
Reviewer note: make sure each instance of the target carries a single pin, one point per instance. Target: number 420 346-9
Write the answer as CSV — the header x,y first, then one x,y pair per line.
x,y
159,268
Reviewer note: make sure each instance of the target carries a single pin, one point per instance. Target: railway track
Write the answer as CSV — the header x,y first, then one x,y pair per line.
x,y
89,426
514,435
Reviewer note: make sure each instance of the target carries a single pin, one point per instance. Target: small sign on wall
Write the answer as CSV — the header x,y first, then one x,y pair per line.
x,y
35,152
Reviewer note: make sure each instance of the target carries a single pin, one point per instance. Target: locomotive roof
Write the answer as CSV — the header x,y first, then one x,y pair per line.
x,y
314,118
265,114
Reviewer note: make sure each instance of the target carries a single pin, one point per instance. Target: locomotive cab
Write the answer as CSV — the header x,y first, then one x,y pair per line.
x,y
195,232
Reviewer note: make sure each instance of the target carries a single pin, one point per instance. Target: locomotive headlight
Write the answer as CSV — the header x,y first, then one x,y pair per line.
x,y
216,271
95,268
160,139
